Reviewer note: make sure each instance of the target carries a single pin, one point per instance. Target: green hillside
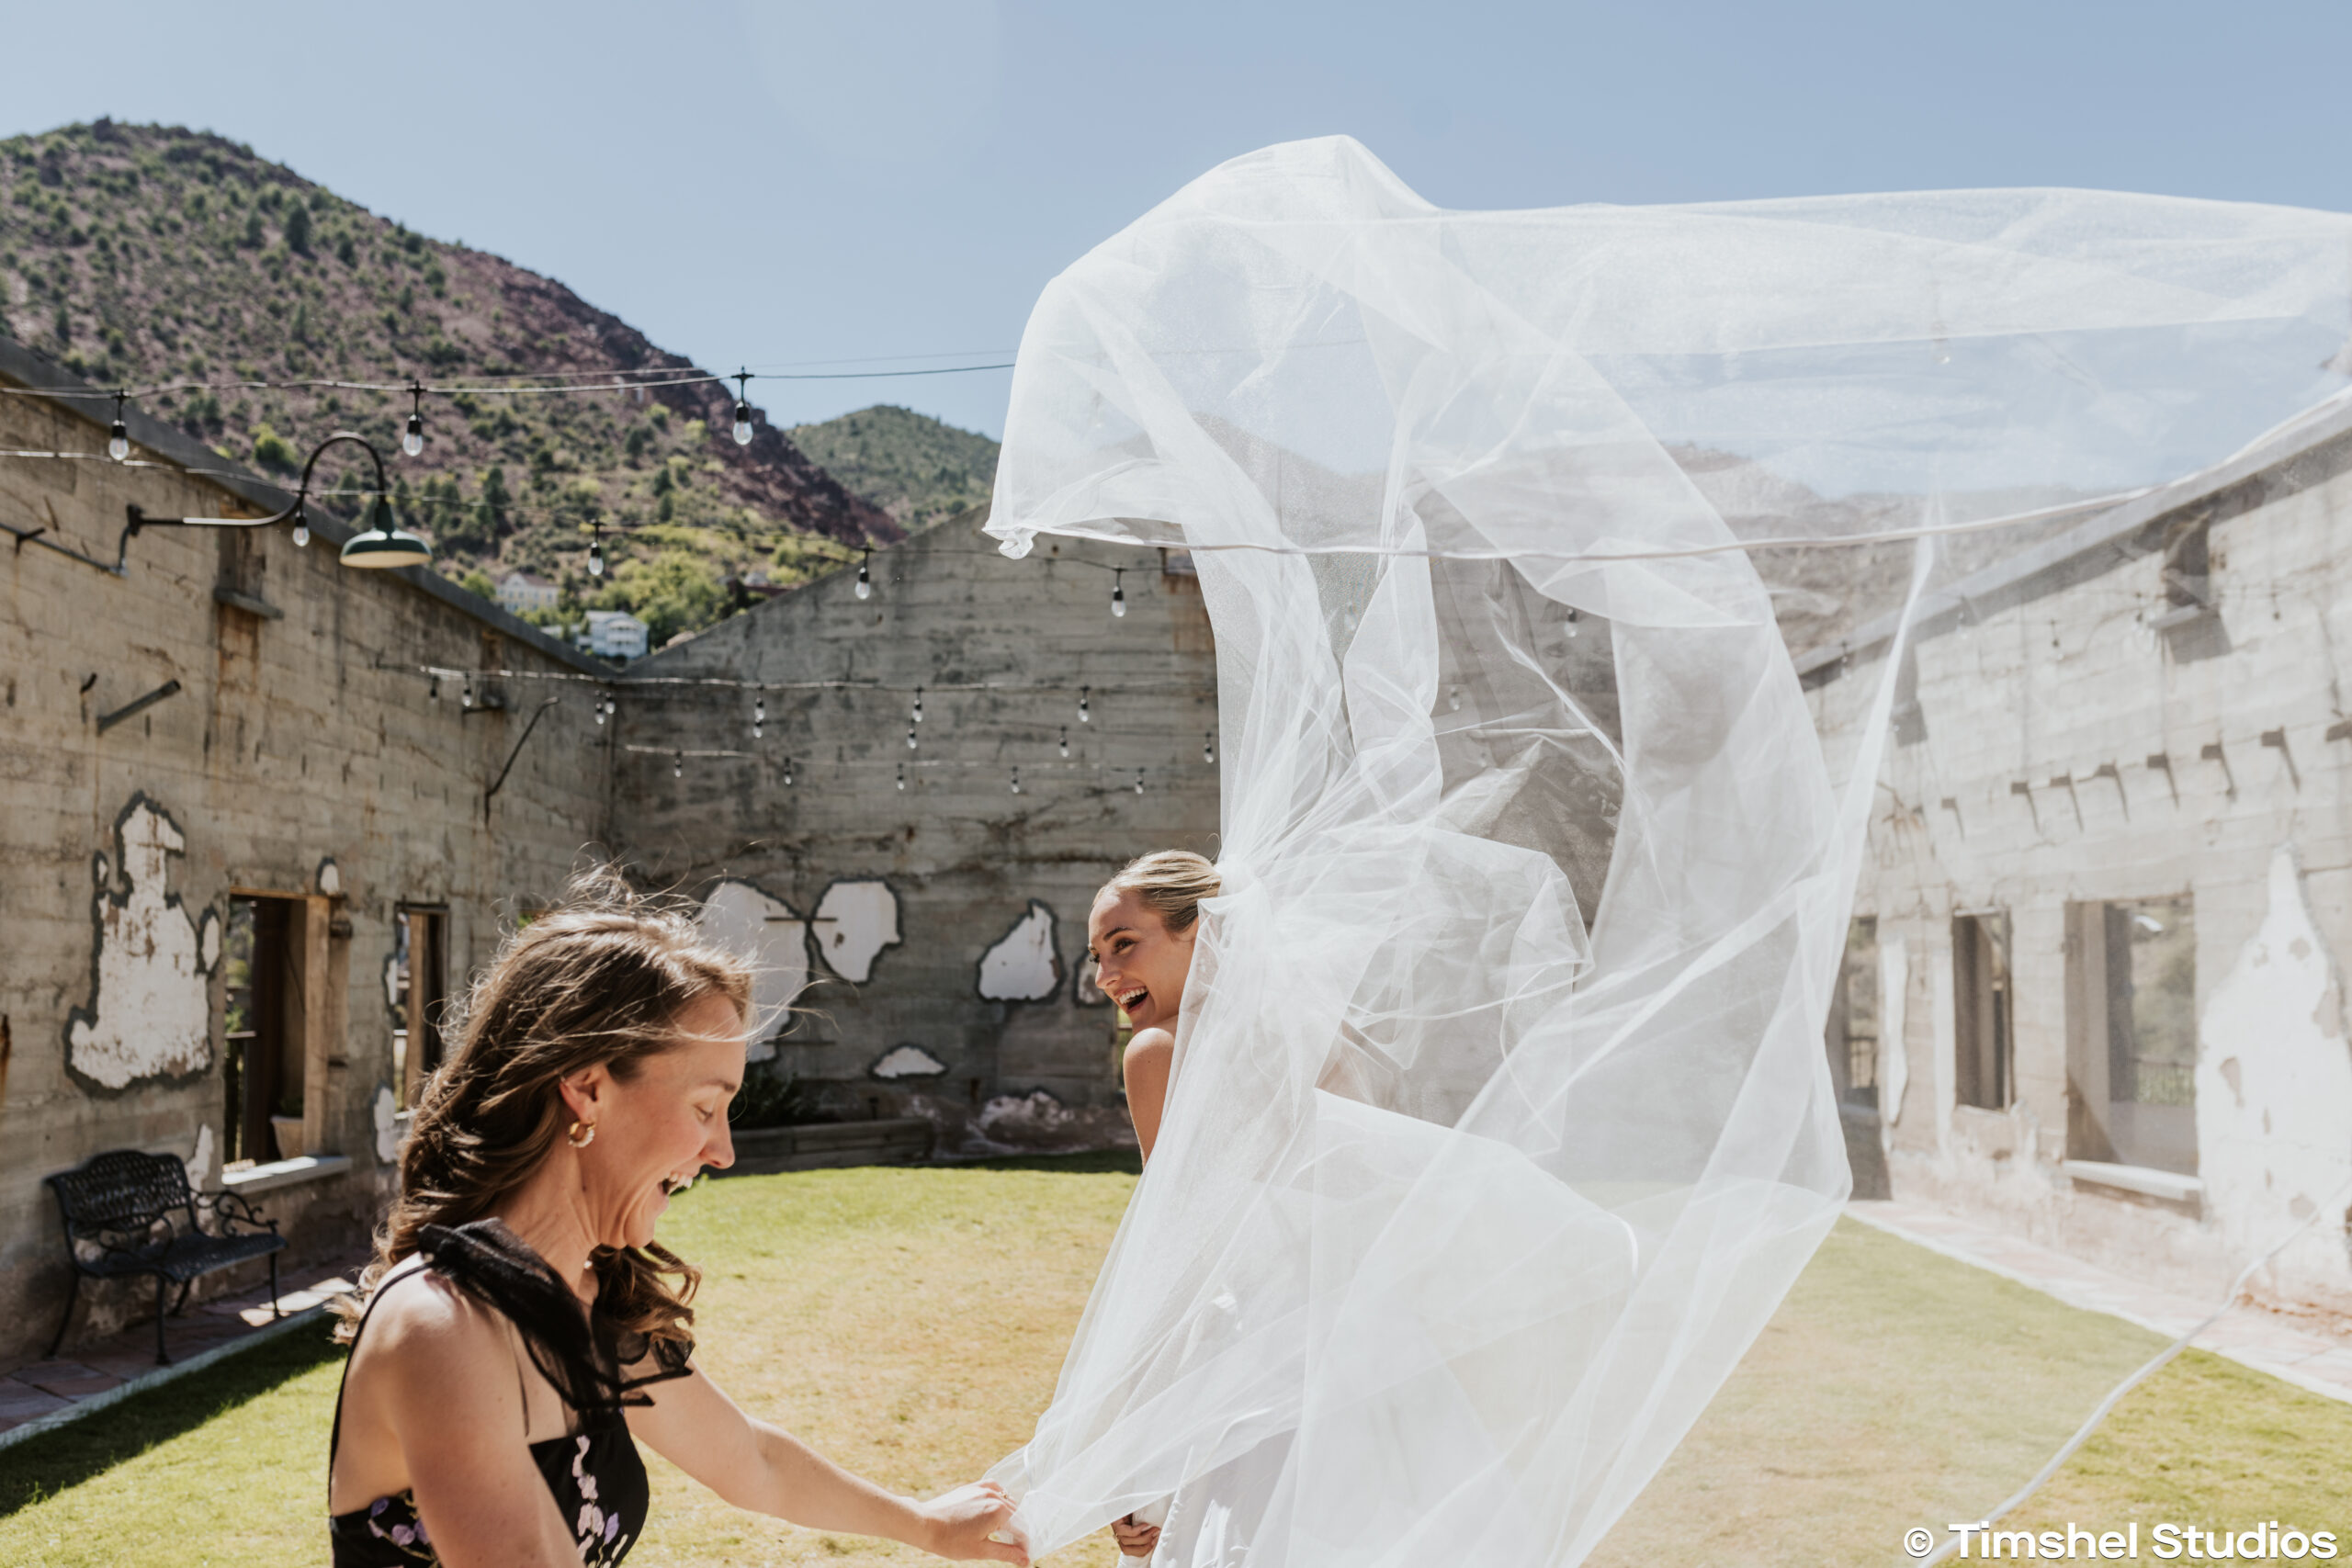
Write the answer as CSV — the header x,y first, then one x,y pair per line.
x,y
140,255
916,468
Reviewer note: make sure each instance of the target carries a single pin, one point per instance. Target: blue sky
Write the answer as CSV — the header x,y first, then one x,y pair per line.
x,y
781,183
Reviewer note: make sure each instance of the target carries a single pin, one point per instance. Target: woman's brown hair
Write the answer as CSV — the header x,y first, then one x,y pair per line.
x,y
599,978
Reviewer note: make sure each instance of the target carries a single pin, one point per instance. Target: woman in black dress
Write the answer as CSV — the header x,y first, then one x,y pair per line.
x,y
522,1326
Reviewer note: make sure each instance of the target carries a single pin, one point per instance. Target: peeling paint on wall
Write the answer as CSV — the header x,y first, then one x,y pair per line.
x,y
907,1062
200,1159
2274,1086
855,920
1022,966
386,1111
1895,1060
1083,990
150,1012
773,937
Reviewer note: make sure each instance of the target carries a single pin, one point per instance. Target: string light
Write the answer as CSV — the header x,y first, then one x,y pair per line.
x,y
301,528
1138,781
759,716
788,772
1118,592
866,575
910,737
412,443
465,699
1208,748
1085,715
596,550
902,776
435,693
742,379
118,433
1065,740
1572,620
610,706
595,706
1017,779
678,765
917,705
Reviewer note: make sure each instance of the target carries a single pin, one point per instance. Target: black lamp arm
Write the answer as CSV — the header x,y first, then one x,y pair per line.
x,y
138,518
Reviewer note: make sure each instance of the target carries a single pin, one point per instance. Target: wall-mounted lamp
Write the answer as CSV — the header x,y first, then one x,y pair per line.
x,y
384,544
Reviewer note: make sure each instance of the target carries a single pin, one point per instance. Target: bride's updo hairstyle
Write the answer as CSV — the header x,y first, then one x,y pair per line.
x,y
1172,883
599,978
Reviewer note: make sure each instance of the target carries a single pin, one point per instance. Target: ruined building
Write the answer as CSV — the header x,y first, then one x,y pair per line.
x,y
2092,989
262,814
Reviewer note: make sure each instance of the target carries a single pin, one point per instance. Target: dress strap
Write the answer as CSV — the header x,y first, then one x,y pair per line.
x,y
334,1433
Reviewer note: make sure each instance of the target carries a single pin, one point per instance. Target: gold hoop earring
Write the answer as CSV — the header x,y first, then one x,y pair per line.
x,y
582,1134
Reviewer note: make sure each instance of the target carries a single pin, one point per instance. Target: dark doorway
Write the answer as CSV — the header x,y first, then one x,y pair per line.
x,y
262,1071
1980,963
420,985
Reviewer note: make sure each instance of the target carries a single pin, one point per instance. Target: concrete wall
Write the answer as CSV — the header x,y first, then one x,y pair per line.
x,y
293,742
940,928
2075,753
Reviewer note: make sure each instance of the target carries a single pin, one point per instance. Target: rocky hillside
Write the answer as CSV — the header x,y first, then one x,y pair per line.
x,y
913,467
145,256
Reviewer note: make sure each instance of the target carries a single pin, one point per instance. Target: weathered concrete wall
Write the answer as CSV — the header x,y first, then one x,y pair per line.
x,y
941,927
2075,753
293,742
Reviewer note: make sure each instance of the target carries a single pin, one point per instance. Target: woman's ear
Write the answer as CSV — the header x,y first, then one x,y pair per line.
x,y
584,1092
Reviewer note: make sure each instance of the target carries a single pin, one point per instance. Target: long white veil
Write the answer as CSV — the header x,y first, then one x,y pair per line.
x,y
1500,1120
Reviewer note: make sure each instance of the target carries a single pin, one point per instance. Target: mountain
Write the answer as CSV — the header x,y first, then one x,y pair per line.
x,y
141,254
913,467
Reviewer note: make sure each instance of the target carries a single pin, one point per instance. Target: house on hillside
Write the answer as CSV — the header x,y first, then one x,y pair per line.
x,y
614,634
519,592
2093,989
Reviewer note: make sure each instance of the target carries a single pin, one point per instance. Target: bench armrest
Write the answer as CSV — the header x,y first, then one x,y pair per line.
x,y
233,1209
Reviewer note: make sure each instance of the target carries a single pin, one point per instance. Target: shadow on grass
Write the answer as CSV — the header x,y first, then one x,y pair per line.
x,y
42,1466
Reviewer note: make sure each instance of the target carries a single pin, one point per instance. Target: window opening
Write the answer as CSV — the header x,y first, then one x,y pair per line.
x,y
1853,1032
262,1060
1982,1044
420,995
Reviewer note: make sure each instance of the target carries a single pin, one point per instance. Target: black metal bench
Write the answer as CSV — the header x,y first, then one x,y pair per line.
x,y
118,1208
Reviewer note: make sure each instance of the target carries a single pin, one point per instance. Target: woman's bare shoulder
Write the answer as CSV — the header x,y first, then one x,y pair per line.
x,y
1151,1047
419,1317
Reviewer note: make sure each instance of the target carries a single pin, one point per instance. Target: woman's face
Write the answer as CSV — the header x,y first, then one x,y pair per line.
x,y
1141,964
655,1129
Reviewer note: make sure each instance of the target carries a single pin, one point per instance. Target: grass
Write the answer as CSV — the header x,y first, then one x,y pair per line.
x,y
910,1324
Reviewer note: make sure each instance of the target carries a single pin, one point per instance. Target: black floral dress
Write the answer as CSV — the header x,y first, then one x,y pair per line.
x,y
595,1474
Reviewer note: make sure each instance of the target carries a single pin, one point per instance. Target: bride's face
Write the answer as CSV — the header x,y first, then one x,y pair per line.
x,y
1141,964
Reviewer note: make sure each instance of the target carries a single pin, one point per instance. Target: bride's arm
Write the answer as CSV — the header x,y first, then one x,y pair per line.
x,y
1145,1065
753,1465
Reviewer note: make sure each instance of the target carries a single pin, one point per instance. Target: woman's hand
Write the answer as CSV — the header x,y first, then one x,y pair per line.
x,y
966,1522
1135,1540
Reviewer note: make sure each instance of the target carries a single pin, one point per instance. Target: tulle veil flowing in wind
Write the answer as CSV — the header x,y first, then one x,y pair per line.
x,y
1500,1120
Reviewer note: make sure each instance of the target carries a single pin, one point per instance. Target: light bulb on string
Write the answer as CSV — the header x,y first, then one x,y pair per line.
x,y
118,433
610,706
1572,620
1016,779
1138,781
788,772
412,443
1118,592
301,527
1453,699
1065,740
866,575
743,408
1208,747
1085,714
759,716
677,764
918,713
911,737
596,550
596,706
902,775
466,698
432,688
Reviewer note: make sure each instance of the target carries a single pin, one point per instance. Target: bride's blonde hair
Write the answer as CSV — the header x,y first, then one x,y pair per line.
x,y
1172,883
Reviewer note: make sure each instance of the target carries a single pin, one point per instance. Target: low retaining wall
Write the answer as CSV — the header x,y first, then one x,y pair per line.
x,y
896,1140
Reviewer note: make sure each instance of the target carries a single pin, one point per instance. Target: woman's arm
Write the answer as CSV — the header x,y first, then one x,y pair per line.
x,y
1145,1065
447,1388
753,1465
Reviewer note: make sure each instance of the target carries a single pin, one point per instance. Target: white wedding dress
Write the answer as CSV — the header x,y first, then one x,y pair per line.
x,y
1500,1120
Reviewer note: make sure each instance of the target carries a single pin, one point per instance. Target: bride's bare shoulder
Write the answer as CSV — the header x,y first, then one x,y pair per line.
x,y
1150,1048
418,1315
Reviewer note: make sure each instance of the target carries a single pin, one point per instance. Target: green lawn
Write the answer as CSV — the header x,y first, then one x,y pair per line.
x,y
911,1322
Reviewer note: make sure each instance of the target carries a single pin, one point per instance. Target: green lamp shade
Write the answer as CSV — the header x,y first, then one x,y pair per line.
x,y
385,545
